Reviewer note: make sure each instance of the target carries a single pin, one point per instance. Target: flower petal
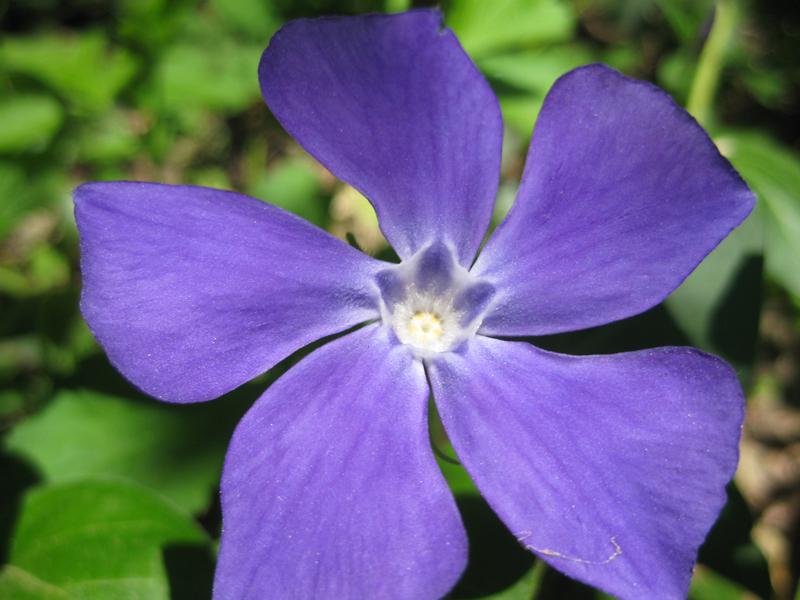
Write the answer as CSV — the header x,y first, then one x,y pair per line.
x,y
194,291
622,196
392,105
611,468
330,489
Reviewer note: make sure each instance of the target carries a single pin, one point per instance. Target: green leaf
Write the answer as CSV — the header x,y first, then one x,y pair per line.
x,y
729,550
177,450
676,72
293,185
708,585
102,539
218,75
395,6
252,17
522,79
28,122
12,402
773,172
152,23
82,68
486,27
718,305
46,270
526,588
18,584
534,70
456,475
215,177
107,139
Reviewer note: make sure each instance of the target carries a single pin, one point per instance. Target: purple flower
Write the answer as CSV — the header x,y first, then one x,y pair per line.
x,y
610,468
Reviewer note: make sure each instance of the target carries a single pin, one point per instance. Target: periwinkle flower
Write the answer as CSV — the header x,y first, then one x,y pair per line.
x,y
610,468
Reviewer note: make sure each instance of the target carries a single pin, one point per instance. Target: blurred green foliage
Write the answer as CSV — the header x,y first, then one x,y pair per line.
x,y
166,90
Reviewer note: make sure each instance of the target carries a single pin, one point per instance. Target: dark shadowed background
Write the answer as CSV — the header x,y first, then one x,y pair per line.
x,y
107,494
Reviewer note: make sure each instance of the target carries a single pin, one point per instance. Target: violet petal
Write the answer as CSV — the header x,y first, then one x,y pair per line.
x,y
623,194
330,488
392,105
610,468
194,291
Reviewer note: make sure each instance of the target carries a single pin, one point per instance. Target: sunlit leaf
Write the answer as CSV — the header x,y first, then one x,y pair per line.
x,y
486,27
28,122
295,186
101,539
708,585
252,17
773,172
83,68
534,70
18,584
218,74
522,79
177,450
718,305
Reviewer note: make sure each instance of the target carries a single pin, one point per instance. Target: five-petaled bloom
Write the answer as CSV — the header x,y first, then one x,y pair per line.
x,y
610,468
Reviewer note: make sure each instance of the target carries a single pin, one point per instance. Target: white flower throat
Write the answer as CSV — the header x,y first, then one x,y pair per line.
x,y
432,303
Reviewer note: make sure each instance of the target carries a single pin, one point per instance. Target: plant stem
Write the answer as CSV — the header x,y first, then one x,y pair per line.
x,y
711,61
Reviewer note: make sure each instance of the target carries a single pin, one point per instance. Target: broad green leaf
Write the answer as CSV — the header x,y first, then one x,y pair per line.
x,y
177,450
18,584
718,305
219,75
293,185
708,585
252,17
83,68
534,70
522,79
773,172
28,122
100,539
485,27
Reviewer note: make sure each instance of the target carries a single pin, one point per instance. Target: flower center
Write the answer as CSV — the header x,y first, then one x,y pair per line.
x,y
432,303
425,327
